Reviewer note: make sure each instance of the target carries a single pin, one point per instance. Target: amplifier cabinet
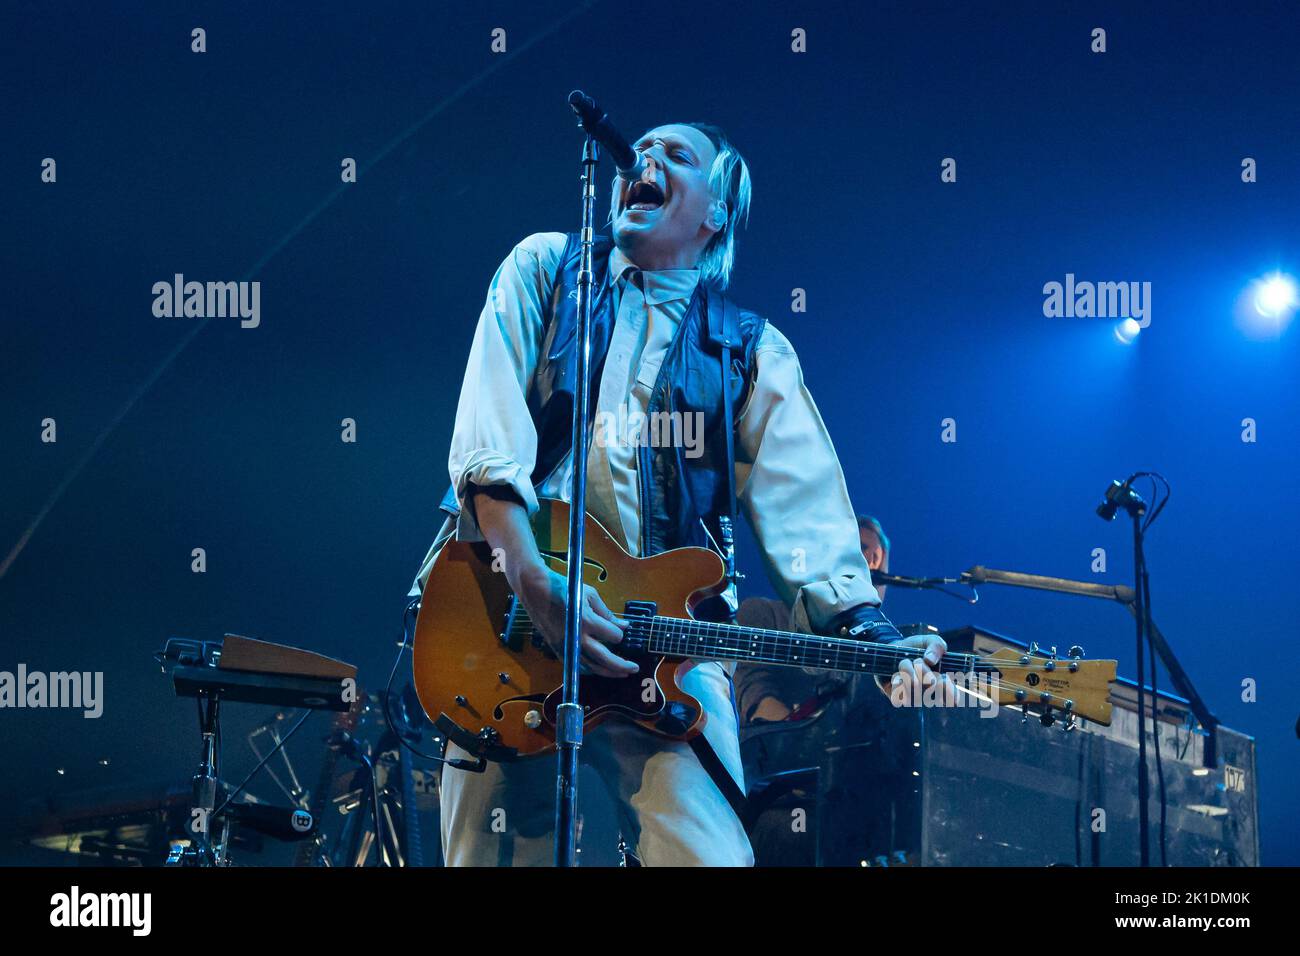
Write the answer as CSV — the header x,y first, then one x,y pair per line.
x,y
948,787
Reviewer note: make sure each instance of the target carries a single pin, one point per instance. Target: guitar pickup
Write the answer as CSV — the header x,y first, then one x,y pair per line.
x,y
512,632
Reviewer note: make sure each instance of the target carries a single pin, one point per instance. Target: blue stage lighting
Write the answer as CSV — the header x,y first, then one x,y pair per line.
x,y
1126,331
1275,296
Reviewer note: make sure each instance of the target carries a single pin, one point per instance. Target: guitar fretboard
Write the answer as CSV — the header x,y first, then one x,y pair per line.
x,y
674,637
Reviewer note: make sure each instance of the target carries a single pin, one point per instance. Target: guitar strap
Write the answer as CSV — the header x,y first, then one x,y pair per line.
x,y
712,763
724,333
724,328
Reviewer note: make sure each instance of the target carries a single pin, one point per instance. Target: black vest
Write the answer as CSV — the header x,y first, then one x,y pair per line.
x,y
676,492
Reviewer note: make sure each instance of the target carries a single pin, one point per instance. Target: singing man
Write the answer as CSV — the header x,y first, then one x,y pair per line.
x,y
672,253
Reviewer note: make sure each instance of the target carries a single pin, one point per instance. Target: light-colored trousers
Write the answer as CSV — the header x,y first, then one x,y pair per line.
x,y
671,811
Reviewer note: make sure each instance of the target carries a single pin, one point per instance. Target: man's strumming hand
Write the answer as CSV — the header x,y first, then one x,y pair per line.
x,y
545,594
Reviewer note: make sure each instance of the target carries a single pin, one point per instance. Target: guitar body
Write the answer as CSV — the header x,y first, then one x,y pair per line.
x,y
493,688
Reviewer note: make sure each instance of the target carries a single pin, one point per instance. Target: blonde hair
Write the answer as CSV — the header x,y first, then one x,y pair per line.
x,y
728,181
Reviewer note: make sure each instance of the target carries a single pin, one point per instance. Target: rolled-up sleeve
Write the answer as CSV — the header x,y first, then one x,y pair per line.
x,y
792,489
494,441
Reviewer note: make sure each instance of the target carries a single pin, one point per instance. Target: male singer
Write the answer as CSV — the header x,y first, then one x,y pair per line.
x,y
672,252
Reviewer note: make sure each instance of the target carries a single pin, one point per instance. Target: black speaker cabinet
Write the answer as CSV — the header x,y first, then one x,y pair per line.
x,y
868,784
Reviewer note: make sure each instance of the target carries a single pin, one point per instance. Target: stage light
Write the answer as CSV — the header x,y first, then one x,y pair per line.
x,y
1126,331
1275,295
1265,307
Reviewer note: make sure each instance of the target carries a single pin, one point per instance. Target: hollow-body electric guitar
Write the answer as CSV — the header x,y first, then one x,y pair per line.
x,y
490,682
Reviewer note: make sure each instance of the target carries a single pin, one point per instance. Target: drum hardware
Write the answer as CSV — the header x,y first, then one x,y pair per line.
x,y
242,670
292,788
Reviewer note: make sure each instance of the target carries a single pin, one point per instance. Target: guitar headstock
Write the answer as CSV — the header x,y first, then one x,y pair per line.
x,y
1072,687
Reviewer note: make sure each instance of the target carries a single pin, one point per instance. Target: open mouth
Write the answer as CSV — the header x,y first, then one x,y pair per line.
x,y
643,196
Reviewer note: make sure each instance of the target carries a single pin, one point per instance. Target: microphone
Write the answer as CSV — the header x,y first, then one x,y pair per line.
x,y
595,122
882,577
1121,496
901,581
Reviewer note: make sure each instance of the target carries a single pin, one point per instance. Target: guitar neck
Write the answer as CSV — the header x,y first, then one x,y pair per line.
x,y
674,637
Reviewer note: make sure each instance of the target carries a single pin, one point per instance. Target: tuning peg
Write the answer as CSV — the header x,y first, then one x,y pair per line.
x,y
1075,652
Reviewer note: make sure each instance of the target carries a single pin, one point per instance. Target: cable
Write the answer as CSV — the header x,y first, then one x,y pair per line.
x,y
392,675
1155,715
1151,649
1144,610
473,766
1156,508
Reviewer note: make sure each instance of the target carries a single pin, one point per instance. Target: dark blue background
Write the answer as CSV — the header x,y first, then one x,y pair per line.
x,y
924,302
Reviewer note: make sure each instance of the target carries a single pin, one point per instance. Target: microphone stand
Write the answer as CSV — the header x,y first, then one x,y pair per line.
x,y
1137,509
1138,600
568,717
